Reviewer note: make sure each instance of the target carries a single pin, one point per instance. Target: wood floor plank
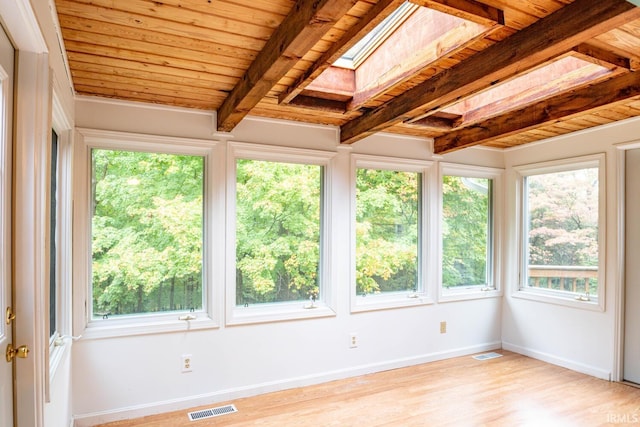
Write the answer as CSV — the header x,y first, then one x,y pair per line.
x,y
512,390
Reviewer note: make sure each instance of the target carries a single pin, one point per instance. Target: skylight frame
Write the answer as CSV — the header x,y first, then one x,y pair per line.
x,y
360,51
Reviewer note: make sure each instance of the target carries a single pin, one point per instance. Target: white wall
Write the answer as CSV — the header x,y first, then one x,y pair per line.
x,y
121,377
583,340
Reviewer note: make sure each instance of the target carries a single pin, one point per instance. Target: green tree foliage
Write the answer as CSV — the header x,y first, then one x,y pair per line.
x,y
387,217
277,231
147,232
465,230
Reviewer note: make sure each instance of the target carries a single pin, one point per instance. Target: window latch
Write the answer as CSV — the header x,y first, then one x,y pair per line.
x,y
188,317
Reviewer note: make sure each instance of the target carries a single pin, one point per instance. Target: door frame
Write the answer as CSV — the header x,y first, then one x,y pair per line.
x,y
32,112
6,186
619,301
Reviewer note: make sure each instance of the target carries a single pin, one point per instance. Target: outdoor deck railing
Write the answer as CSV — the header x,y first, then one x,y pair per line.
x,y
566,278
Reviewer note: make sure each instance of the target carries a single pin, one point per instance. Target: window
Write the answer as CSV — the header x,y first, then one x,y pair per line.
x,y
277,231
147,228
468,231
563,219
59,239
389,240
150,215
280,233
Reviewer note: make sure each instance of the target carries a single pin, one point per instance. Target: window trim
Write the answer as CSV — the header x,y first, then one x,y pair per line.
x,y
521,290
325,306
57,348
426,266
213,268
493,289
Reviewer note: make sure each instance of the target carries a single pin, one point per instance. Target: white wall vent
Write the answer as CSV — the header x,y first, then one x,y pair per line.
x,y
210,413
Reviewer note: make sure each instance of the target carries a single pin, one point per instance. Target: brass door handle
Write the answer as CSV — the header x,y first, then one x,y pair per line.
x,y
21,352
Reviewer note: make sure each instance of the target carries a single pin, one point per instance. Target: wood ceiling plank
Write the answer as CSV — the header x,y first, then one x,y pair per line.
x,y
548,37
149,58
138,94
83,60
307,22
377,14
68,22
269,15
561,106
170,14
470,10
623,41
281,7
214,35
189,84
153,85
236,65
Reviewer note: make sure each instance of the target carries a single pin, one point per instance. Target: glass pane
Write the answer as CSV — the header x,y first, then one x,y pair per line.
x,y
278,208
562,225
466,239
53,218
147,232
387,218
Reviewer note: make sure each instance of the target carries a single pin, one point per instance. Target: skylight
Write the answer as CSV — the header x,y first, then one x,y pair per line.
x,y
361,50
558,76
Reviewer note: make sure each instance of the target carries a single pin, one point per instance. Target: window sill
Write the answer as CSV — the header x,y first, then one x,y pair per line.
x,y
560,298
264,313
468,293
136,326
393,300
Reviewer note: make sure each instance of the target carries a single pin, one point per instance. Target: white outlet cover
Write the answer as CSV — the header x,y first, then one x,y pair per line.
x,y
186,363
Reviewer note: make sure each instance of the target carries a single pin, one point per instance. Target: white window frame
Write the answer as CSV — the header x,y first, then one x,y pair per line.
x,y
494,266
522,290
57,343
270,312
213,272
426,246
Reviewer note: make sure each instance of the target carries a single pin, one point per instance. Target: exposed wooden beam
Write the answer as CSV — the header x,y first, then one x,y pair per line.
x,y
601,56
546,38
320,104
434,122
470,10
553,109
368,22
300,30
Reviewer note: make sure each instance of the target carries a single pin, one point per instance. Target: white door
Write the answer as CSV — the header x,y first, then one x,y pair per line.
x,y
631,367
6,110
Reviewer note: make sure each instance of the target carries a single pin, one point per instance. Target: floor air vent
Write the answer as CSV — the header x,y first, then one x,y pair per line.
x,y
213,412
487,356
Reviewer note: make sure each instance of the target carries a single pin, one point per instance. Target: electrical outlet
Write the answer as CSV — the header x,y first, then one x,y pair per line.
x,y
353,340
187,363
443,327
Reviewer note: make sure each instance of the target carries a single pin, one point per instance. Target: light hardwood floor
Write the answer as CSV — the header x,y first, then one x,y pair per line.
x,y
512,390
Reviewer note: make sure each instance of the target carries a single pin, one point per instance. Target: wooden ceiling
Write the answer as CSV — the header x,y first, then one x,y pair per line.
x,y
264,57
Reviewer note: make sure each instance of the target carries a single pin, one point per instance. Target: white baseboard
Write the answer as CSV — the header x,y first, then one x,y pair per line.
x,y
86,420
555,360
